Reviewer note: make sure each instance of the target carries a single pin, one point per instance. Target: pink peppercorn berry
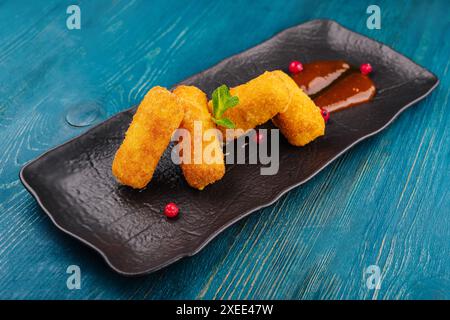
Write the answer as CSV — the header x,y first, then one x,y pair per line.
x,y
171,210
258,137
295,67
365,68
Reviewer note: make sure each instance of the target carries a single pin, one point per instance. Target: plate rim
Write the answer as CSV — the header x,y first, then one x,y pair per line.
x,y
276,197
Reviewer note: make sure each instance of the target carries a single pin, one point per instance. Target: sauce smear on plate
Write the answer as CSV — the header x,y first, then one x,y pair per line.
x,y
318,75
352,89
334,86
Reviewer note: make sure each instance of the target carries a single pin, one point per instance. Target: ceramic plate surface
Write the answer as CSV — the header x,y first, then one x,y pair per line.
x,y
74,185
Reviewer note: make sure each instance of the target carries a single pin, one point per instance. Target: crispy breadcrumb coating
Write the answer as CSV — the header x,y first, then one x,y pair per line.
x,y
302,122
209,166
149,134
260,99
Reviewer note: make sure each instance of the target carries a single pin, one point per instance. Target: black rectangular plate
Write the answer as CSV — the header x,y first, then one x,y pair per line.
x,y
73,182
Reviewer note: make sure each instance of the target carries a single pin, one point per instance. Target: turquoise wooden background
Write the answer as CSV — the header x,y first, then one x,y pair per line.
x,y
386,202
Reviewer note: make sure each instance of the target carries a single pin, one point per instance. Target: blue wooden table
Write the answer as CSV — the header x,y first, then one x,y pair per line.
x,y
385,203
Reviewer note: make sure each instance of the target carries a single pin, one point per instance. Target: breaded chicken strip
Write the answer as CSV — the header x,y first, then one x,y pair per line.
x,y
206,163
260,99
302,122
149,134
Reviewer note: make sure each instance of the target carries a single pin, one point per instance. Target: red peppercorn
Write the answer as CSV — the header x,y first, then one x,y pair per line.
x,y
295,67
171,210
325,115
258,137
365,68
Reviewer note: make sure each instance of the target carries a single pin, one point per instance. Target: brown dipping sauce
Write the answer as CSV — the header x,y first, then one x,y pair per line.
x,y
333,85
318,75
352,89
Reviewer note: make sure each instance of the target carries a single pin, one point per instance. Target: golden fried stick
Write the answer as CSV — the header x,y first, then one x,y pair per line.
x,y
302,122
206,163
260,99
149,134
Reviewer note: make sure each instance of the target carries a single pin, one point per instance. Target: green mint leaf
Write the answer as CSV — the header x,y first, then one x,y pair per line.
x,y
227,123
218,100
231,102
222,101
215,100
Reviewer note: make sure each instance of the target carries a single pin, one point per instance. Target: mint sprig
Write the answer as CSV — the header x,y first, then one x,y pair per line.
x,y
222,101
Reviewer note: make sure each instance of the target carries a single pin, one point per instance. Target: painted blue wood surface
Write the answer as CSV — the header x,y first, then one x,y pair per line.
x,y
386,202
